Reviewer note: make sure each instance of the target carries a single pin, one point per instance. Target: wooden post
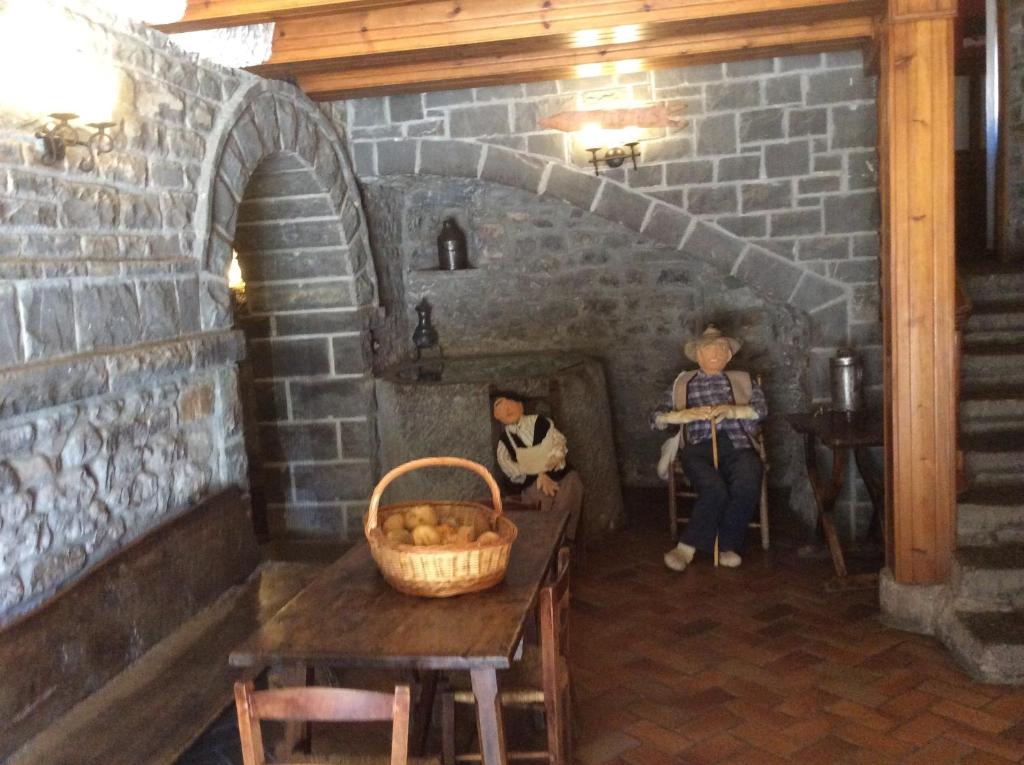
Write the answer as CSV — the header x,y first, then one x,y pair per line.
x,y
918,282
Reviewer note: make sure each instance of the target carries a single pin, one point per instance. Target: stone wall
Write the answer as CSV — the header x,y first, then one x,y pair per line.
x,y
119,402
1013,127
760,210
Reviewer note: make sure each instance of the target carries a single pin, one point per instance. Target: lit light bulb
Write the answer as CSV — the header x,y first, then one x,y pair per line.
x,y
592,136
235,280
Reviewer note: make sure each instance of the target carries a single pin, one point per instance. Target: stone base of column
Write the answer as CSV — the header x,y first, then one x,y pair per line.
x,y
911,607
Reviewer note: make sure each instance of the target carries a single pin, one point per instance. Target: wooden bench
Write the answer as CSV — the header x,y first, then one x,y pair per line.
x,y
129,664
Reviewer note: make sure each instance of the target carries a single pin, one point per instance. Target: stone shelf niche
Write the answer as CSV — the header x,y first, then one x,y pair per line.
x,y
449,414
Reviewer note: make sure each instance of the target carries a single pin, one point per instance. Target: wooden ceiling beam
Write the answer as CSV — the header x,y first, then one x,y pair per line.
x,y
214,14
483,27
552,65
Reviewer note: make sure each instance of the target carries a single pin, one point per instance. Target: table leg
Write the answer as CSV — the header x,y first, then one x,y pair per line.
x,y
426,682
295,731
875,487
825,497
489,722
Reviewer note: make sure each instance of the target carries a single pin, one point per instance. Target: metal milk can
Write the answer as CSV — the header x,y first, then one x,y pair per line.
x,y
452,254
847,379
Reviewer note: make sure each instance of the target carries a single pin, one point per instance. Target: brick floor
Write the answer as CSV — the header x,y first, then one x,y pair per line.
x,y
761,664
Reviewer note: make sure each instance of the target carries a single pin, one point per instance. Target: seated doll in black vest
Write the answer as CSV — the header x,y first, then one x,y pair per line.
x,y
532,453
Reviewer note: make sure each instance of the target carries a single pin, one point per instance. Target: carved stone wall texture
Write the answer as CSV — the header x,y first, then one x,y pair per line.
x,y
119,400
1013,124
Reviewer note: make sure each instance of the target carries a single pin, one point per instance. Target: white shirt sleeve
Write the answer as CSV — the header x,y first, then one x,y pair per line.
x,y
509,466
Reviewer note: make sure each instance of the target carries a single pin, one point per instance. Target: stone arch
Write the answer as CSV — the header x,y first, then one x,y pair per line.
x,y
825,300
278,186
265,119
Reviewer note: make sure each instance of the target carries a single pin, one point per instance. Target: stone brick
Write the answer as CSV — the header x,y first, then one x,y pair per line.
x,y
188,304
107,315
856,271
827,163
348,355
196,403
448,97
547,144
431,127
711,200
300,264
327,293
813,292
276,235
824,248
406,108
786,159
271,400
498,93
308,441
829,325
854,126
364,158
282,184
783,90
790,63
839,85
729,96
744,225
797,223
667,149
761,125
817,185
331,483
865,246
267,209
742,168
320,399
575,187
158,310
807,122
471,121
512,169
704,73
396,157
368,111
280,357
450,158
646,176
622,206
773,195
851,212
10,327
712,244
750,68
667,225
356,440
772,276
717,135
862,169
694,171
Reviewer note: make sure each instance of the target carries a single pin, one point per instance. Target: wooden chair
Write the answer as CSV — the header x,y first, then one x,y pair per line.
x,y
314,704
541,677
679,488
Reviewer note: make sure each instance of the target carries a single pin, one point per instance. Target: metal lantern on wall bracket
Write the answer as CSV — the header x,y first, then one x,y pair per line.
x,y
615,156
54,138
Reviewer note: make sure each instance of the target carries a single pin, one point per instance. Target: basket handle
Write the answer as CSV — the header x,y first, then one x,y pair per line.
x,y
408,467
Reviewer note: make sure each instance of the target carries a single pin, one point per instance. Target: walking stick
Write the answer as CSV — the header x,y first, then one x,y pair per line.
x,y
714,458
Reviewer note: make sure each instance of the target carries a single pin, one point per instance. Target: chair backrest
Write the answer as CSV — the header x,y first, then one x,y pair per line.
x,y
320,705
554,619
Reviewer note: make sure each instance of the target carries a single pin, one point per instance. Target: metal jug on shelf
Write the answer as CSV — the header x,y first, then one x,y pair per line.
x,y
452,254
847,381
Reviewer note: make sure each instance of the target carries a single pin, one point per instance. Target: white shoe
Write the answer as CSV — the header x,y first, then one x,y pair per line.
x,y
729,559
679,556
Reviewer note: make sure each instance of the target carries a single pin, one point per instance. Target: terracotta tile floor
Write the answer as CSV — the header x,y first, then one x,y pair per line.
x,y
764,664
760,664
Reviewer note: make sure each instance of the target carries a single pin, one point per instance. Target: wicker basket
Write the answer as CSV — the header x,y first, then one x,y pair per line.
x,y
440,571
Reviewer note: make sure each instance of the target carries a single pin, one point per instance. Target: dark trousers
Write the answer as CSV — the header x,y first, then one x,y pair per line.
x,y
726,498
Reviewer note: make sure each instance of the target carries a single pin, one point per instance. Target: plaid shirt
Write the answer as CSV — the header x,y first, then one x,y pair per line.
x,y
708,390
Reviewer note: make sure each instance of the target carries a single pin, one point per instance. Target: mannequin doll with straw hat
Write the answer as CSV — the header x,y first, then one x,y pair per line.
x,y
718,413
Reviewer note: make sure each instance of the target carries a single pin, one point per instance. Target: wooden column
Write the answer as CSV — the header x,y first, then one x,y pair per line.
x,y
918,281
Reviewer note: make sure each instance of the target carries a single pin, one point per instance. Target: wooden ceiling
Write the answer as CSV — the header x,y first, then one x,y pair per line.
x,y
337,49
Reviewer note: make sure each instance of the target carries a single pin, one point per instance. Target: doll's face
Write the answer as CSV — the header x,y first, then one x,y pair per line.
x,y
507,411
714,356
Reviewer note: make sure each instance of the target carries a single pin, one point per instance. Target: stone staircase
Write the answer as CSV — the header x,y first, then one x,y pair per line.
x,y
984,622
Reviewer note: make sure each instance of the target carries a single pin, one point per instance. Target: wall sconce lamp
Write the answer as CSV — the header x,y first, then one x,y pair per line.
x,y
614,156
235,281
54,138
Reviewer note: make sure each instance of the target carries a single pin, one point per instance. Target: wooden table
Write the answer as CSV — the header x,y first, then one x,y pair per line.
x,y
841,435
350,617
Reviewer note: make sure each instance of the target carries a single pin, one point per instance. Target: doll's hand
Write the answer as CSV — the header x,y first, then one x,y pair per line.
x,y
547,486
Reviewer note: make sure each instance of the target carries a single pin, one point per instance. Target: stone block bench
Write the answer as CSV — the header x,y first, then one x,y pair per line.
x,y
129,664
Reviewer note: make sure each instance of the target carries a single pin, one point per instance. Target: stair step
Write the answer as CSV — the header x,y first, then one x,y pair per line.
x,y
994,451
1000,321
991,514
995,284
992,360
990,644
990,577
980,403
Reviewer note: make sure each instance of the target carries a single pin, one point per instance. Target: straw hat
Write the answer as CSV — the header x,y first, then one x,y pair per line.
x,y
710,335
